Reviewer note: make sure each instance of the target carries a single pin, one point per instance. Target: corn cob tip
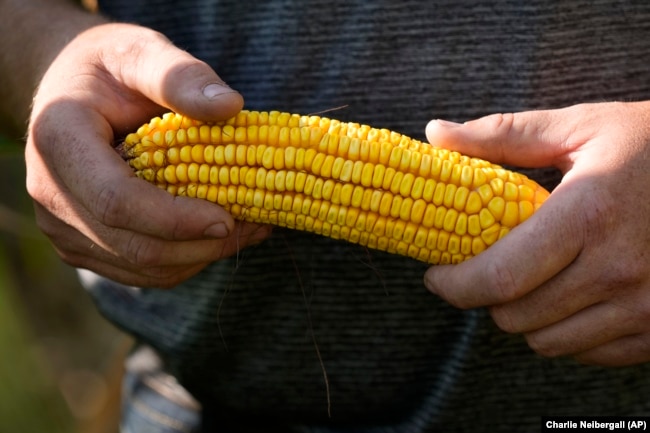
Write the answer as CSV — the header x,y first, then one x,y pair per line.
x,y
120,148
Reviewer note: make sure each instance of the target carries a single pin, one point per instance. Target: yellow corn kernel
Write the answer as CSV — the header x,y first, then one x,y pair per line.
x,y
374,187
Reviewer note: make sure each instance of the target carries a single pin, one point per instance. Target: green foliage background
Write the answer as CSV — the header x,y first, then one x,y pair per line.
x,y
56,349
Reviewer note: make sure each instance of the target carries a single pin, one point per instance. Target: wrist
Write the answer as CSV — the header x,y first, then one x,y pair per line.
x,y
35,32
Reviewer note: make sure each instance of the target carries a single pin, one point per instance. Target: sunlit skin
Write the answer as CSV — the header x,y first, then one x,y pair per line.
x,y
109,221
574,278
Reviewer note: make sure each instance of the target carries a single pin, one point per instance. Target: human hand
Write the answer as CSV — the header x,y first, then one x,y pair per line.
x,y
575,277
105,83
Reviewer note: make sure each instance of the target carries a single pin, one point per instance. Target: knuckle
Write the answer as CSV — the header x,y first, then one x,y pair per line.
x,y
504,125
142,252
504,320
541,346
503,121
599,214
108,206
34,187
501,281
624,273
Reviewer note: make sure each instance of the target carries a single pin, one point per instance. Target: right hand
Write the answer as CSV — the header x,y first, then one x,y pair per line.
x,y
104,83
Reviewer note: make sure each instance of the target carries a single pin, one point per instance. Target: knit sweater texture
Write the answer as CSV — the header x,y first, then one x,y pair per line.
x,y
252,336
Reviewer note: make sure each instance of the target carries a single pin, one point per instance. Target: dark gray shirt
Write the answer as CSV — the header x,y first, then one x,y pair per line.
x,y
242,335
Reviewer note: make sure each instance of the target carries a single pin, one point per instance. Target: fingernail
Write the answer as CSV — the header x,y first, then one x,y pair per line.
x,y
218,230
215,90
447,123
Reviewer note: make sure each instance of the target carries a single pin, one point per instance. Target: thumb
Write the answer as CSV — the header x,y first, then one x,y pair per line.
x,y
175,79
525,139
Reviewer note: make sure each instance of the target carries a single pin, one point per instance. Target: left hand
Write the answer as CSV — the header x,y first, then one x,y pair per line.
x,y
575,277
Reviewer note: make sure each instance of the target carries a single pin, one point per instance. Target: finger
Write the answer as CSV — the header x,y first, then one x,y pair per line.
x,y
593,277
175,79
165,277
529,255
624,351
587,329
141,252
146,251
101,183
138,252
169,276
180,260
573,289
79,251
526,139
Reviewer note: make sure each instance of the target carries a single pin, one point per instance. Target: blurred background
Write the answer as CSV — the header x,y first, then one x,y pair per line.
x,y
61,362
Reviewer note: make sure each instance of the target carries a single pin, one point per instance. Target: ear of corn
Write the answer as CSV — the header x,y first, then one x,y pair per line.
x,y
369,186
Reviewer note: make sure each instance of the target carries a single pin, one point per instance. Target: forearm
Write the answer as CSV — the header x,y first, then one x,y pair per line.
x,y
34,32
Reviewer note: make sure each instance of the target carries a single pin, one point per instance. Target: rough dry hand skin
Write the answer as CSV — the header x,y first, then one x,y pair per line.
x,y
369,186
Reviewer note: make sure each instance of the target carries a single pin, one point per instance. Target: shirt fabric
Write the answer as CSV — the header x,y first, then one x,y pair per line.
x,y
247,335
